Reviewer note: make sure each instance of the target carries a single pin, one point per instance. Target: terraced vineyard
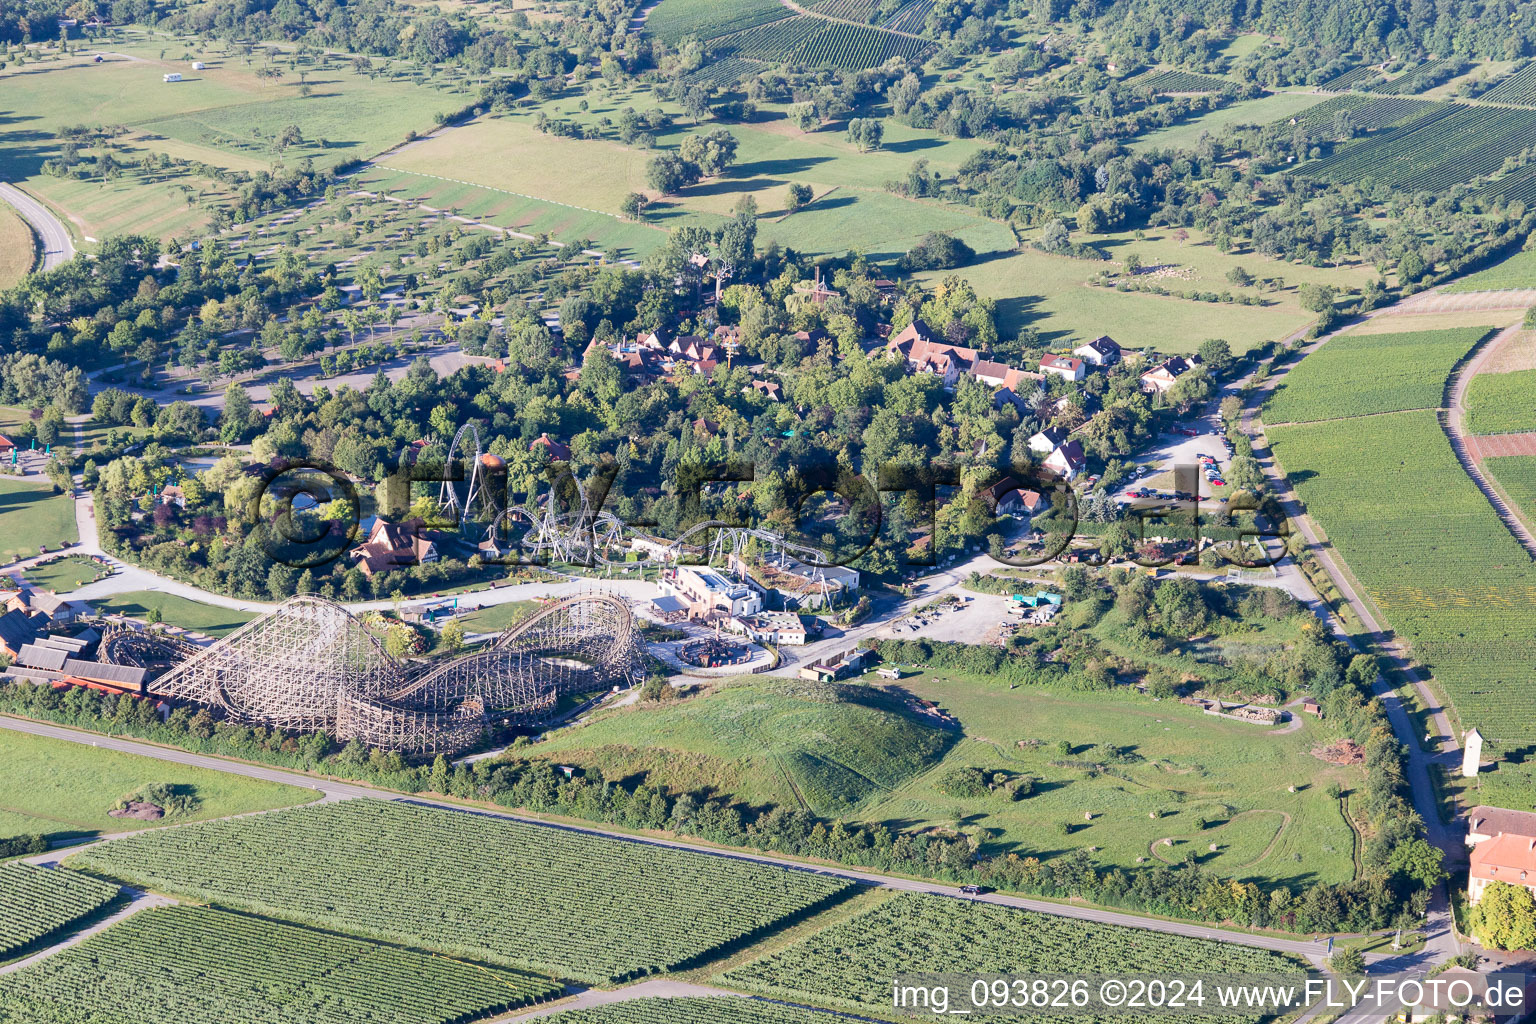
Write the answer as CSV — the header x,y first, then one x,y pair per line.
x,y
911,18
1434,556
547,899
1180,81
1354,78
36,902
1424,77
1518,88
674,20
1362,374
1451,146
1500,403
194,965
695,1010
851,964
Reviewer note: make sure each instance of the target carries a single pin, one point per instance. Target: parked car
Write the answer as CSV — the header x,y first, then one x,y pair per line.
x,y
1218,483
1189,431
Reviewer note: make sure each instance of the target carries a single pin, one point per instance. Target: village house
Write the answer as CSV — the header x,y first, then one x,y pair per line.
x,y
1101,351
396,546
1066,367
1484,823
1067,461
1048,440
769,389
1162,377
1508,857
1022,501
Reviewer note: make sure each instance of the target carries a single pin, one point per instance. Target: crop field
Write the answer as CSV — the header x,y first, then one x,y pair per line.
x,y
830,747
36,902
18,249
1518,271
64,790
1433,555
1518,88
34,516
1179,81
1517,475
1413,81
727,72
1354,78
1499,403
850,965
820,43
695,1010
674,20
910,18
1211,781
1447,147
1364,374
195,965
1366,113
527,896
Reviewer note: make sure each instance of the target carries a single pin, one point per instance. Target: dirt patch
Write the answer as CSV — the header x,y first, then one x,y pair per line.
x,y
1492,446
1518,352
139,810
1342,752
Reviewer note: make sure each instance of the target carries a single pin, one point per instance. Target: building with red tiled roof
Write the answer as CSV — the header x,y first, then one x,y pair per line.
x,y
1507,857
558,452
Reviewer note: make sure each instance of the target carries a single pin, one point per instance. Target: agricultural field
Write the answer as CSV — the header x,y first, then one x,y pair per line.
x,y
18,249
1180,81
175,610
1365,114
1452,146
1051,293
528,896
1499,403
36,902
35,517
695,1010
827,747
1365,374
1518,271
196,965
64,790
1518,88
1210,781
674,20
850,965
1516,474
1435,558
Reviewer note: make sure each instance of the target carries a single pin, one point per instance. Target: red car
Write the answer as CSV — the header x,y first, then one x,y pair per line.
x,y
1218,483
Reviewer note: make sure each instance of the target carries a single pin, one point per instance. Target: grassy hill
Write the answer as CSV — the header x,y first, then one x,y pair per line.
x,y
828,747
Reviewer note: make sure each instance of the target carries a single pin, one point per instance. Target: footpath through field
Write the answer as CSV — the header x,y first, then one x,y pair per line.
x,y
1470,450
334,790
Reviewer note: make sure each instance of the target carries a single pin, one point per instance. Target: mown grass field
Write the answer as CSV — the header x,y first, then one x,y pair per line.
x,y
1518,271
224,116
177,611
1180,763
64,575
1433,555
1051,293
829,748
1501,402
18,249
65,789
1517,475
1264,110
1363,374
32,515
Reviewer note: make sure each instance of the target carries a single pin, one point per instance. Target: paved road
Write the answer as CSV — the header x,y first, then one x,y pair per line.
x,y
57,245
334,790
1454,422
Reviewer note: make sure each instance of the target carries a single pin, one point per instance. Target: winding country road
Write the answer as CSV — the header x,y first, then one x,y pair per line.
x,y
57,246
